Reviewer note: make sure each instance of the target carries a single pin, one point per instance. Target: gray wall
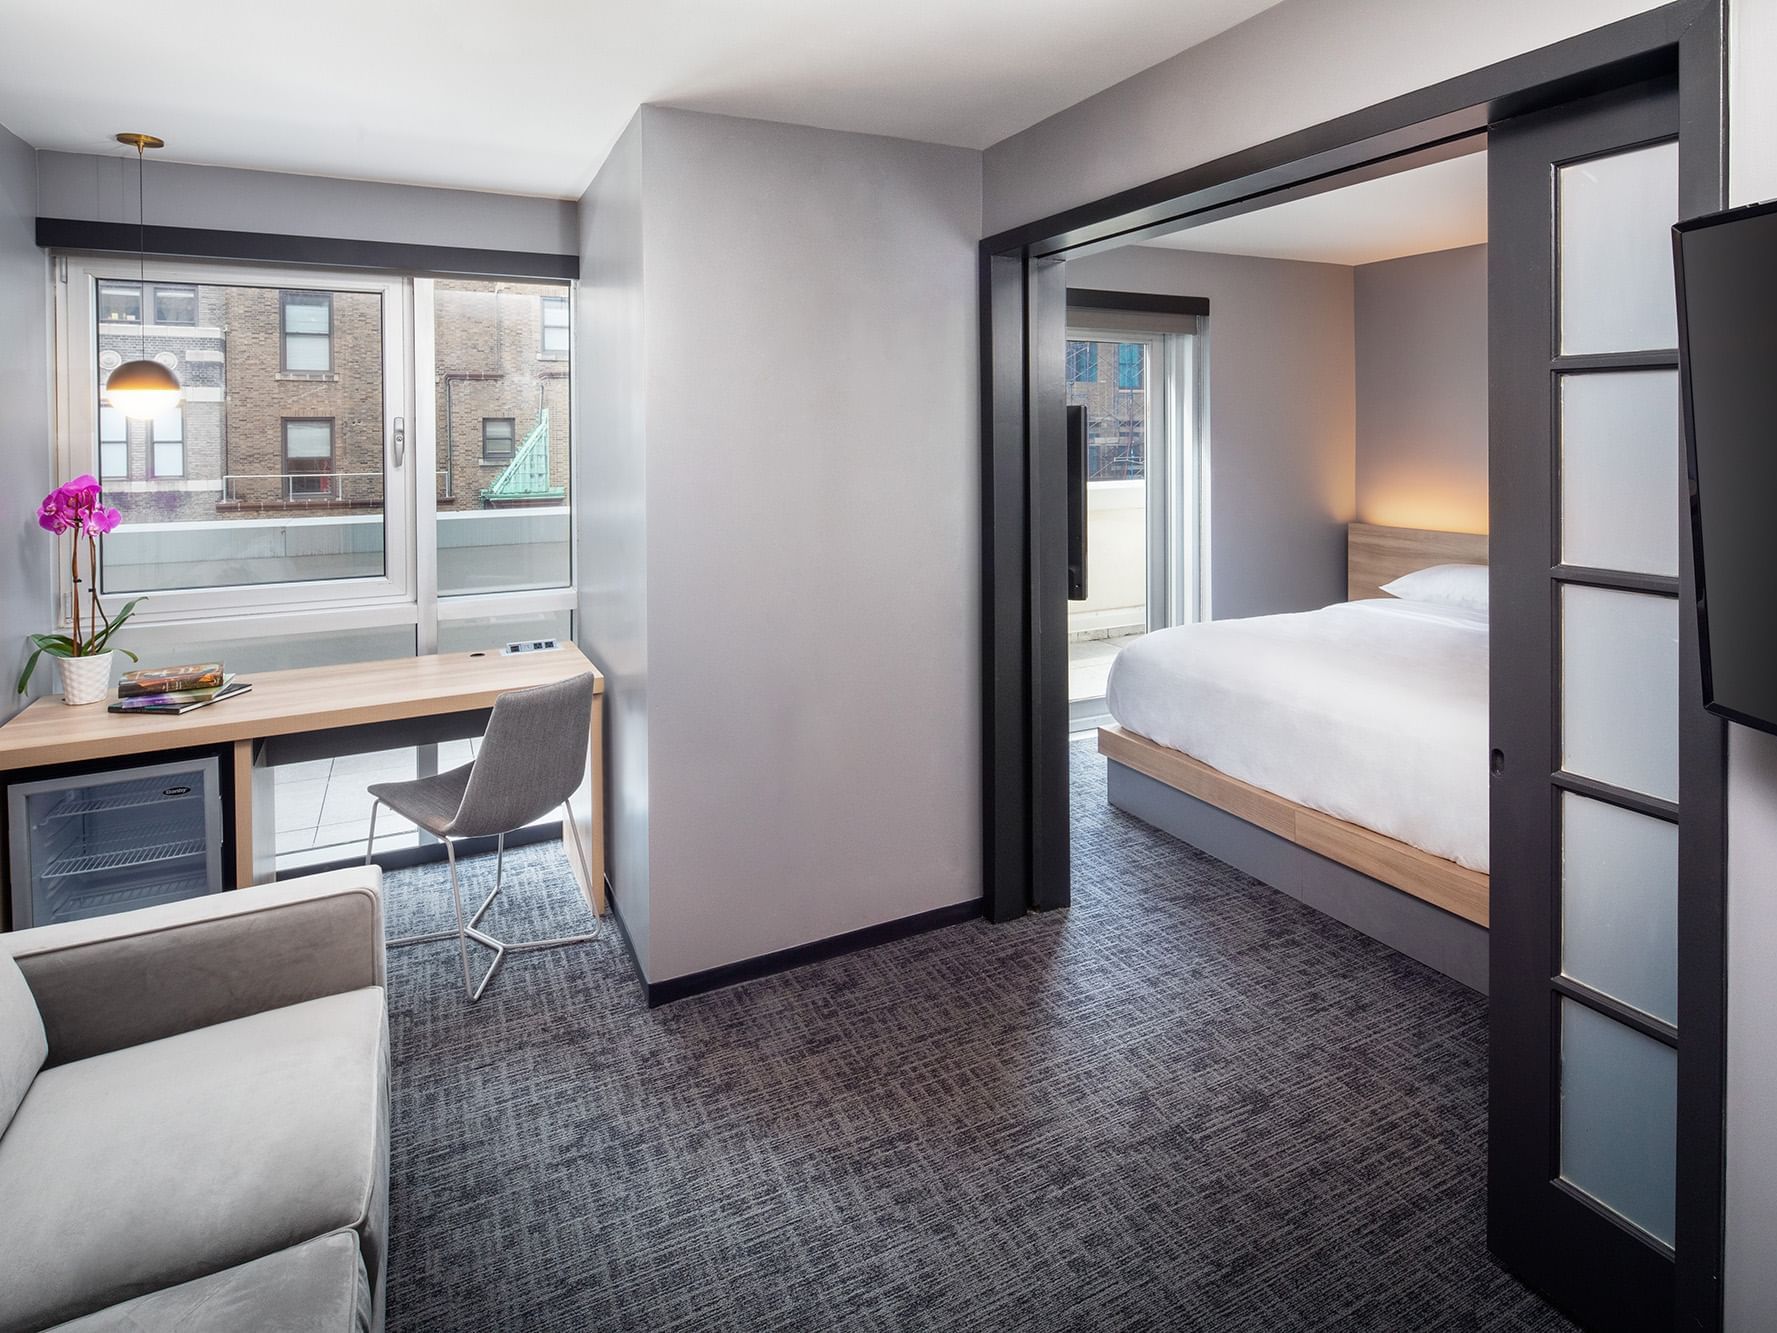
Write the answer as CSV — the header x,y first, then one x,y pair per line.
x,y
1422,391
26,552
1282,406
1294,65
1751,1276
611,514
808,444
102,188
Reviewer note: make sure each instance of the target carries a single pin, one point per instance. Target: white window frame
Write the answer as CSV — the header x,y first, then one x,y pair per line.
x,y
77,446
408,593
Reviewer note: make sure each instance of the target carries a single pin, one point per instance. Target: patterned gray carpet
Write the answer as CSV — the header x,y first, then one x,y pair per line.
x,y
1188,1103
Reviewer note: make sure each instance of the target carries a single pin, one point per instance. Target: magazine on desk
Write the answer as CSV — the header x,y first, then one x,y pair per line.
x,y
206,677
181,703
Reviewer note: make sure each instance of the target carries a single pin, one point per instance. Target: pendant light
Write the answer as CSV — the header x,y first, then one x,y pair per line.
x,y
142,389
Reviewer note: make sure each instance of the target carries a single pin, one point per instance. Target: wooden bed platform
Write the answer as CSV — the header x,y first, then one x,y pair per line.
x,y
1363,894
1399,865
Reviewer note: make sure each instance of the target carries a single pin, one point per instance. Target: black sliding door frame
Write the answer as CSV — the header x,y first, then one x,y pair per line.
x,y
1024,563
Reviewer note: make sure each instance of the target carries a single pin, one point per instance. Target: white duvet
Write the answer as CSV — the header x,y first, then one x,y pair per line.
x,y
1373,711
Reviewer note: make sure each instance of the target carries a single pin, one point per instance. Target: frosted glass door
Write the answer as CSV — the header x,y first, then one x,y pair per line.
x,y
1599,747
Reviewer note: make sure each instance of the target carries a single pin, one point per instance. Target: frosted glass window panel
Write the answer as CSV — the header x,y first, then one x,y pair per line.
x,y
1619,904
211,641
1616,215
1619,1117
492,633
1620,471
1619,688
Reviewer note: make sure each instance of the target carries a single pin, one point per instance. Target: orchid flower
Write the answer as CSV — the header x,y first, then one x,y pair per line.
x,y
75,507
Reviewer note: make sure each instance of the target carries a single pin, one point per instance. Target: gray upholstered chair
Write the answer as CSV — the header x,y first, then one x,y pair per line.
x,y
531,760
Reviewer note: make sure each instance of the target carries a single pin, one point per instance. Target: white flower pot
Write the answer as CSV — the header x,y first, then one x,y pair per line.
x,y
85,680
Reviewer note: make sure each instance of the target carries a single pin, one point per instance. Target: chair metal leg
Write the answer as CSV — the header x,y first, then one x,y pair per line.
x,y
466,932
402,942
558,941
499,874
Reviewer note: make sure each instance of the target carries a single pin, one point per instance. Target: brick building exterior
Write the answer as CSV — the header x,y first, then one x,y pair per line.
x,y
1109,379
283,408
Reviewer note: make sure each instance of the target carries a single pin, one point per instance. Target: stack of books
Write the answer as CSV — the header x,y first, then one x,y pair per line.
x,y
176,689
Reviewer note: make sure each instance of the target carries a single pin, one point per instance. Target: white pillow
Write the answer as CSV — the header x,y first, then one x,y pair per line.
x,y
1452,585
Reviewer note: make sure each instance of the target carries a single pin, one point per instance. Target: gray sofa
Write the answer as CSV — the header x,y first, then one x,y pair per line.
x,y
194,1114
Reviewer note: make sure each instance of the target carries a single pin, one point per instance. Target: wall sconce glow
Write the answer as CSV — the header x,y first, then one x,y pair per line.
x,y
142,389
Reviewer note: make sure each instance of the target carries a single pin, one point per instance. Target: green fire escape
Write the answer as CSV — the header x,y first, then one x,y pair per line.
x,y
525,480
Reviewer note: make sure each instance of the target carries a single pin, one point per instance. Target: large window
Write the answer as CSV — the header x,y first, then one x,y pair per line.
x,y
1082,362
308,457
166,435
308,331
295,497
114,445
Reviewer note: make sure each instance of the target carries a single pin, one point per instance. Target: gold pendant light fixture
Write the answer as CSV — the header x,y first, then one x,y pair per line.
x,y
142,389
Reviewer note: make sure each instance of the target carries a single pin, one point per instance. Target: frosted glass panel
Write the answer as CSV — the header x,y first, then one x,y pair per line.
x,y
1616,215
1619,1117
1620,471
1619,688
1619,904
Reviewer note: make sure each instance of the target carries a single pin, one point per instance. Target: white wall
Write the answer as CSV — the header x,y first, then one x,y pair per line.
x,y
102,188
1282,417
1292,66
1751,1276
611,506
808,440
27,554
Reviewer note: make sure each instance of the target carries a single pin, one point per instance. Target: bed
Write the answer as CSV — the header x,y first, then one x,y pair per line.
x,y
1356,734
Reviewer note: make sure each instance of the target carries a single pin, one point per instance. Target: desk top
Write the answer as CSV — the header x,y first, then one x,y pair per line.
x,y
283,702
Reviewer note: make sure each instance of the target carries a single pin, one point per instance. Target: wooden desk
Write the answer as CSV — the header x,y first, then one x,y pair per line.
x,y
285,703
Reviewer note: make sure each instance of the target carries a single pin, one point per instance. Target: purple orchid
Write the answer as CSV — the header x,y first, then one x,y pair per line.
x,y
75,507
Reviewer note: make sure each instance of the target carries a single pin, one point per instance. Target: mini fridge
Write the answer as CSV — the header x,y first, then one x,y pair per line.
x,y
107,842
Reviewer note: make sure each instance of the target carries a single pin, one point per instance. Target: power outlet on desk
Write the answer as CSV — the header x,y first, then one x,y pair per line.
x,y
530,646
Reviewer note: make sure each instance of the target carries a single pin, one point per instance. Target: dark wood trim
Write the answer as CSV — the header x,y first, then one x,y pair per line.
x,y
1149,303
819,951
326,251
1046,410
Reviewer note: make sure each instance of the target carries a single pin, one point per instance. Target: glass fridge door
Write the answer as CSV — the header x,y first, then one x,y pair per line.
x,y
101,843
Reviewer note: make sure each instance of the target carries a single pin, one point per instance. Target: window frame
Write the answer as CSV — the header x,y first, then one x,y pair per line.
x,y
328,477
119,283
154,305
155,442
407,593
500,460
544,305
284,334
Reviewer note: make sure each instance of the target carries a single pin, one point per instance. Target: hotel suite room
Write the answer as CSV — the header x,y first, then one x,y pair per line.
x,y
831,923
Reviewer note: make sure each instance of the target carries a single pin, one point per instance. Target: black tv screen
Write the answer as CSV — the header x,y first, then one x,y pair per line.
x,y
1727,321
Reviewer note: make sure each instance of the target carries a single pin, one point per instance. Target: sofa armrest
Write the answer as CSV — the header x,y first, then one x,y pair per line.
x,y
121,980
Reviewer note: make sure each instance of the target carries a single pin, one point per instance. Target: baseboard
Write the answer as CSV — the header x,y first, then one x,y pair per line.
x,y
404,858
750,969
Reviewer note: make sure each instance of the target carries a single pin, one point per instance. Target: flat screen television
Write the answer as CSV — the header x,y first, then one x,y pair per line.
x,y
1727,349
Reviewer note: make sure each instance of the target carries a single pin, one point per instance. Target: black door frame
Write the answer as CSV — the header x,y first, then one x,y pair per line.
x,y
1024,522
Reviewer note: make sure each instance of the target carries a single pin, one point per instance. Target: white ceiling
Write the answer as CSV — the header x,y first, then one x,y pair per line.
x,y
1439,207
527,96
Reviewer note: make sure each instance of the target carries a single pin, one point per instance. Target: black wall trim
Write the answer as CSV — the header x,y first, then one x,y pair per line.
x,y
749,969
328,251
1148,303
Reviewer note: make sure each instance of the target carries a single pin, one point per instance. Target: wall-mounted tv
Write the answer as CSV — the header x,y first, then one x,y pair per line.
x,y
1727,339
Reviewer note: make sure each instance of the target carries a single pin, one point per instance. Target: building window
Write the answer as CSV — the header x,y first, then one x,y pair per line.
x,y
308,457
307,319
166,444
1082,362
114,444
1129,365
120,303
175,305
497,436
555,326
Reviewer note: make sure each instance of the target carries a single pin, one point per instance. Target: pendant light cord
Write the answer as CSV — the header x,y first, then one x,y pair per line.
x,y
141,249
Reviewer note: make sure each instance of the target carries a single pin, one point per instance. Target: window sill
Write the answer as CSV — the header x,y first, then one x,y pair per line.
x,y
308,376
495,462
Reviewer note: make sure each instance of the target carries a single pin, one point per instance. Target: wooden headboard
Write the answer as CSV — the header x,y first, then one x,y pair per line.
x,y
1376,555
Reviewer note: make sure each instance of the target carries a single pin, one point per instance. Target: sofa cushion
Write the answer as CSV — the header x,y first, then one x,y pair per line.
x,y
22,1044
317,1287
151,1166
